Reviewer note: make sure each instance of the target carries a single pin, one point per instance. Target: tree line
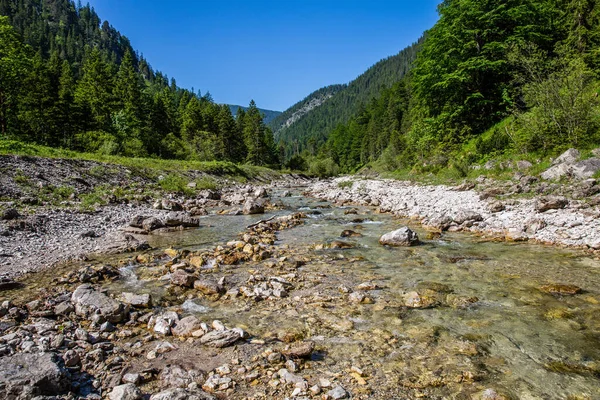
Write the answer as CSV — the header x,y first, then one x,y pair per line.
x,y
67,80
491,77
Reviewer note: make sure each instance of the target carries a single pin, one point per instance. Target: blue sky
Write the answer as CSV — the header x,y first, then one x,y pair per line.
x,y
275,52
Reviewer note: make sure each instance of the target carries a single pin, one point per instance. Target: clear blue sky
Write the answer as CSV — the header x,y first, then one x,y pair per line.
x,y
275,52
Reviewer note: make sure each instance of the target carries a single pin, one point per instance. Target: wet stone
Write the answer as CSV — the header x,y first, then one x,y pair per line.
x,y
561,289
137,300
182,278
220,339
299,350
400,237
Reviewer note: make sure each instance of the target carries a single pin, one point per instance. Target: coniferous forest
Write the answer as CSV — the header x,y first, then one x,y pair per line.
x,y
490,78
69,80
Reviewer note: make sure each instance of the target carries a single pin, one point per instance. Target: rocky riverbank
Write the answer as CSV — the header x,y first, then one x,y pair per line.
x,y
488,208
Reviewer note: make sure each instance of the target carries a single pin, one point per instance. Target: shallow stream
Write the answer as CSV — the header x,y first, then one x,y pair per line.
x,y
494,329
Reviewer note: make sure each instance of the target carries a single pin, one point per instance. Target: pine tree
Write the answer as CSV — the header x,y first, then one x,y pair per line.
x,y
14,63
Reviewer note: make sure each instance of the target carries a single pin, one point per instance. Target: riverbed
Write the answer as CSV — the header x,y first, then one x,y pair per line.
x,y
455,317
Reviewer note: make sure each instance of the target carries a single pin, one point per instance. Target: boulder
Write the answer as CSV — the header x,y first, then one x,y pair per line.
x,y
556,172
25,376
252,206
400,237
137,300
181,219
208,287
570,156
544,204
523,164
89,301
220,339
182,278
186,326
127,391
299,350
9,214
152,223
137,221
585,169
181,394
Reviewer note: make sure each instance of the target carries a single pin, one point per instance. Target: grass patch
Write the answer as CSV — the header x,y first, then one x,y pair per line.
x,y
345,184
175,184
146,167
206,183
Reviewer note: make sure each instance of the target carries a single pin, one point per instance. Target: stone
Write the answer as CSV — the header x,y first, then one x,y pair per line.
x,y
178,377
400,237
162,323
137,221
127,391
299,350
181,219
137,300
338,244
350,233
186,326
208,287
570,156
252,206
182,278
71,358
337,393
561,289
523,164
152,223
220,339
89,301
181,394
585,169
9,214
25,375
64,308
544,204
134,378
466,216
556,172
418,300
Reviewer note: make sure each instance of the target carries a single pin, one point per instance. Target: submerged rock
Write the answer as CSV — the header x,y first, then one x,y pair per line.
x,y
561,289
400,237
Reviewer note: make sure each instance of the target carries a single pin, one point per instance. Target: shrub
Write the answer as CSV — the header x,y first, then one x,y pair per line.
x,y
324,168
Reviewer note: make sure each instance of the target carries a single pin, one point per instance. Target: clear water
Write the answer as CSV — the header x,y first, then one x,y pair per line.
x,y
516,339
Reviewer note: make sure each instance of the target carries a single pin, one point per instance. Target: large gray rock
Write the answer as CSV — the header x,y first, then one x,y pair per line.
x,y
181,219
137,300
24,376
252,206
570,156
544,204
181,394
127,391
556,172
400,237
186,326
220,338
585,169
89,301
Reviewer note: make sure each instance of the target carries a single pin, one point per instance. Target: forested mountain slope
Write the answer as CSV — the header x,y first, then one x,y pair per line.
x,y
495,78
312,129
69,80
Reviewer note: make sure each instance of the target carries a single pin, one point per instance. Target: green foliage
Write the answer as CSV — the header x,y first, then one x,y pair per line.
x,y
323,168
206,183
345,184
297,163
175,184
86,89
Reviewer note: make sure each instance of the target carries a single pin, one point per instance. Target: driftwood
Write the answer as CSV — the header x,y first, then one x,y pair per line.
x,y
260,222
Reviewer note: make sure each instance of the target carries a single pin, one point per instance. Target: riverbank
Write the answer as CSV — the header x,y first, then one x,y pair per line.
x,y
487,211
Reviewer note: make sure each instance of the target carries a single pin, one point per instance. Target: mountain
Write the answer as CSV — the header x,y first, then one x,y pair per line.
x,y
311,123
303,107
270,115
